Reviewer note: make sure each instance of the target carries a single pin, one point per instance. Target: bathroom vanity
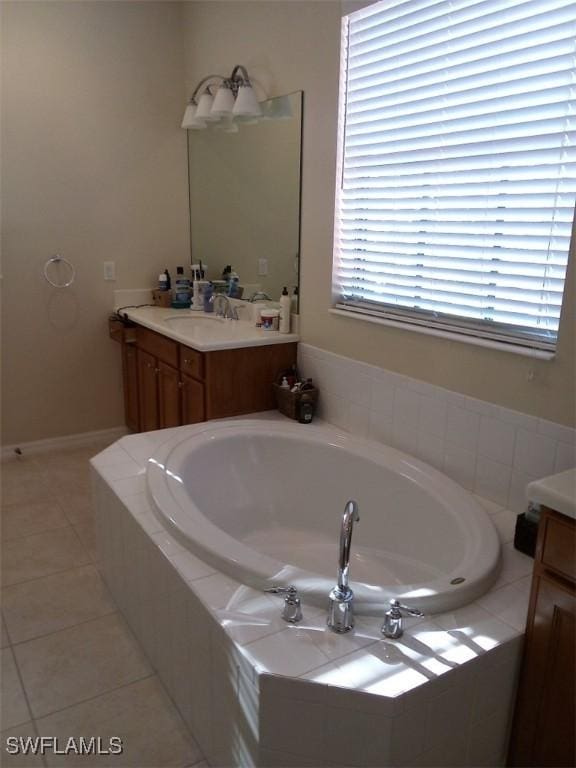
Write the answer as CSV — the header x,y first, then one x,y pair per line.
x,y
544,724
182,367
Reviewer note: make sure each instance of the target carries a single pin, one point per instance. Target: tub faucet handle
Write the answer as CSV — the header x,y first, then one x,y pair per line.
x,y
392,626
292,610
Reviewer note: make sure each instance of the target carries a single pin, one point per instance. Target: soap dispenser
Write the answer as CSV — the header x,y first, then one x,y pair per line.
x,y
285,306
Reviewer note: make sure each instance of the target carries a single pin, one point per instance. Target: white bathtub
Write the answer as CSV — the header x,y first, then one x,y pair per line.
x,y
263,501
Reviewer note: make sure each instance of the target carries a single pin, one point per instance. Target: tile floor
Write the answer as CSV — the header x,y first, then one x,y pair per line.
x,y
70,665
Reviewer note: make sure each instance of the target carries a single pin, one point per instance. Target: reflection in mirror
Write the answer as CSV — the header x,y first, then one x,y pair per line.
x,y
245,197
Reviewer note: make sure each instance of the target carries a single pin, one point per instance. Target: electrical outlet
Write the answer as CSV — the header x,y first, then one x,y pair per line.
x,y
109,270
262,267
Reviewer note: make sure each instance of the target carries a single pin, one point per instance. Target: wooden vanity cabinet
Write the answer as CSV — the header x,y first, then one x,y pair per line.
x,y
125,334
130,379
158,381
192,387
543,732
147,391
167,384
192,400
240,380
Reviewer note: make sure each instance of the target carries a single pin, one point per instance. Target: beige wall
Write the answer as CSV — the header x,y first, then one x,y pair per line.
x,y
93,167
295,45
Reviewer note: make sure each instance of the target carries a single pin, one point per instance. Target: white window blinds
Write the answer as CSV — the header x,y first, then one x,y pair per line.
x,y
457,164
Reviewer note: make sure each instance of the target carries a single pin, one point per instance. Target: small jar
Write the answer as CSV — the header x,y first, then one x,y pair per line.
x,y
270,319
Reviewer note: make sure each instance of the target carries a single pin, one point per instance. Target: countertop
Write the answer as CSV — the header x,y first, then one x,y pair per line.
x,y
205,332
556,492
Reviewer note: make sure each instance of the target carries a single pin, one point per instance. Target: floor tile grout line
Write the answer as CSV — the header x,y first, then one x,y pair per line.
x,y
46,575
69,626
22,686
36,533
5,625
153,673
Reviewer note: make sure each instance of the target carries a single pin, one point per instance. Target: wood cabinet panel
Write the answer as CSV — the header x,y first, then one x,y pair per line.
x,y
167,383
240,380
159,346
130,378
168,396
559,551
192,400
147,391
191,362
543,733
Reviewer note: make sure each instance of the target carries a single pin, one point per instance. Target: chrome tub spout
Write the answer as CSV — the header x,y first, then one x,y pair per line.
x,y
341,598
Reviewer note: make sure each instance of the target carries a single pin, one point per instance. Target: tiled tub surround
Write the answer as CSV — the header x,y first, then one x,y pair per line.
x,y
256,691
490,450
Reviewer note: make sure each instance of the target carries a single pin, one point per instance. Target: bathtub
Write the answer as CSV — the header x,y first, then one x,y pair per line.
x,y
262,502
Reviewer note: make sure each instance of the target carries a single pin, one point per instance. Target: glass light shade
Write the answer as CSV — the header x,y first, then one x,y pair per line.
x,y
223,102
246,103
190,121
204,109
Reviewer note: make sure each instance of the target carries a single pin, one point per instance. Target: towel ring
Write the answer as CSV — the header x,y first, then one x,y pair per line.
x,y
57,260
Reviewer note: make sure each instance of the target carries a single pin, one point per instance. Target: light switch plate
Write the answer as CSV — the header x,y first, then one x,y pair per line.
x,y
262,267
109,270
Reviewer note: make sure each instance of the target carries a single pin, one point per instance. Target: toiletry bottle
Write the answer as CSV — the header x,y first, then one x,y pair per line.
x,y
207,295
284,311
294,301
181,288
162,282
168,280
233,287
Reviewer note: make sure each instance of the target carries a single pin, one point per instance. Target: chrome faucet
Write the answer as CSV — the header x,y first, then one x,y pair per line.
x,y
259,296
228,310
341,598
292,610
393,625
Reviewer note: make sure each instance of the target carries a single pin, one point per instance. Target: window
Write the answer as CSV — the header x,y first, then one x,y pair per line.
x,y
457,165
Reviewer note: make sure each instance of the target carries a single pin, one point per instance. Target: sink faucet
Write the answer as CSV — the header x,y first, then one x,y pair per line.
x,y
259,296
228,310
341,605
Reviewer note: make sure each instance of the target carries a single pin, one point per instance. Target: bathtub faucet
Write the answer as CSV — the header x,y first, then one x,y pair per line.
x,y
341,598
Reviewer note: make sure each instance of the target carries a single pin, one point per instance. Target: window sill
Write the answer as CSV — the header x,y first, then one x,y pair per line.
x,y
515,349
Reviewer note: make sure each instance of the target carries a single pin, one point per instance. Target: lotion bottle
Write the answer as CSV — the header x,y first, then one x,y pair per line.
x,y
285,306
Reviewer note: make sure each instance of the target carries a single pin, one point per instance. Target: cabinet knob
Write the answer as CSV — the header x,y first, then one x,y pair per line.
x,y
156,370
186,361
180,384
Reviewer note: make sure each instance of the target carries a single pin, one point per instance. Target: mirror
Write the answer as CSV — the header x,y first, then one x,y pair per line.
x,y
245,197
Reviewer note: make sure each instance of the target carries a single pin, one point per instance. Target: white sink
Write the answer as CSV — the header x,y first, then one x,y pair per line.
x,y
204,331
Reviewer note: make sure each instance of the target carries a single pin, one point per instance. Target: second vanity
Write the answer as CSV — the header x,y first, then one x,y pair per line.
x,y
182,367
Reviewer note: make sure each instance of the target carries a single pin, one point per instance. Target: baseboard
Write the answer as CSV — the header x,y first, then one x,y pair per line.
x,y
66,441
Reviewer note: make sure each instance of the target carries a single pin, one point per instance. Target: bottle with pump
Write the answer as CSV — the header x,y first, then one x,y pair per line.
x,y
168,280
294,301
181,293
207,297
285,306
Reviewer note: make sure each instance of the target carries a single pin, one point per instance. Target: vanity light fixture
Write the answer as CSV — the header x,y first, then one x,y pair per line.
x,y
234,97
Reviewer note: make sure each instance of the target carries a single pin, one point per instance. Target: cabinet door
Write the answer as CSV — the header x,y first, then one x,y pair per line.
x,y
147,391
130,377
192,400
544,723
168,396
